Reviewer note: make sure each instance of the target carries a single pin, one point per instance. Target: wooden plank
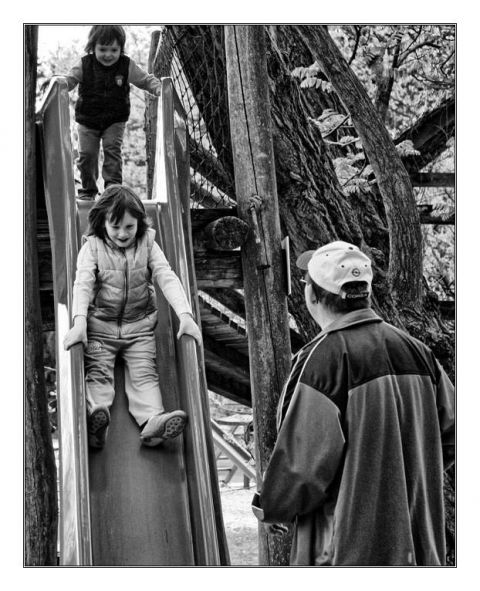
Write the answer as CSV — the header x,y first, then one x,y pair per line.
x,y
265,298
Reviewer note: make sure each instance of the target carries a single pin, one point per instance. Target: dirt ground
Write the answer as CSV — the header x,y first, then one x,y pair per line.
x,y
240,524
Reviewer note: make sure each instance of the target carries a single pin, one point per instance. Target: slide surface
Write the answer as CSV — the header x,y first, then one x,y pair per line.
x,y
126,505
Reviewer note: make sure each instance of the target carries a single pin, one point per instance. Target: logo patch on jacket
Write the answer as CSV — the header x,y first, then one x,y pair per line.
x,y
119,80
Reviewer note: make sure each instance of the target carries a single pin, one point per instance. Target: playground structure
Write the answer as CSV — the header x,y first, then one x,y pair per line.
x,y
130,505
116,504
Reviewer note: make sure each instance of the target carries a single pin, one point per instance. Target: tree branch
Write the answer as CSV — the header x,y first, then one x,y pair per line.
x,y
429,135
405,263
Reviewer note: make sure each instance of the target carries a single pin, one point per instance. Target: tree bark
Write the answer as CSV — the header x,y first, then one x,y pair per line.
x,y
406,262
40,471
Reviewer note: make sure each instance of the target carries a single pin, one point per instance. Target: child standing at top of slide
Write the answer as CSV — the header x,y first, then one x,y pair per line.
x,y
114,313
103,77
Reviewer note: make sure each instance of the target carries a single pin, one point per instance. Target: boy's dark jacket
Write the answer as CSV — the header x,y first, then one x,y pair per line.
x,y
103,94
366,428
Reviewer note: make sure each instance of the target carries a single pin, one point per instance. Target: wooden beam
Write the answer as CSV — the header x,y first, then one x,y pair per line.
x,y
209,166
228,355
234,301
202,217
208,197
225,379
432,179
265,298
218,269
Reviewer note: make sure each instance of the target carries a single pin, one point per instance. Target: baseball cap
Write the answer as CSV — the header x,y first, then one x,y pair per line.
x,y
336,263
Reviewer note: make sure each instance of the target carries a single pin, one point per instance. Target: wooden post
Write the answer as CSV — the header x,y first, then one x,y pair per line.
x,y
265,298
40,473
151,103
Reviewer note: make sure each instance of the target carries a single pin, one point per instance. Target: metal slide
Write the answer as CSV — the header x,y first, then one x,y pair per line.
x,y
129,505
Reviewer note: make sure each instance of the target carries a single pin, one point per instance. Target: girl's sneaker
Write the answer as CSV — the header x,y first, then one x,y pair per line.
x,y
97,427
164,426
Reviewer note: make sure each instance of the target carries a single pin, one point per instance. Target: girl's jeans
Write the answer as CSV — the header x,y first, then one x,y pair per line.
x,y
141,377
88,152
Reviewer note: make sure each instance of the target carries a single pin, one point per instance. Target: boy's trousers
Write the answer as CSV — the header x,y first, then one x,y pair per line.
x,y
88,152
141,377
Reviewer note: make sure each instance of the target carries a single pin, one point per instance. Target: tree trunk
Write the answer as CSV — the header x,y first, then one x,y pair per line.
x,y
40,472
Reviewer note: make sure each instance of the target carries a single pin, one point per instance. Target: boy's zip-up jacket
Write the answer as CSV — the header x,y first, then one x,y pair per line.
x,y
114,287
365,431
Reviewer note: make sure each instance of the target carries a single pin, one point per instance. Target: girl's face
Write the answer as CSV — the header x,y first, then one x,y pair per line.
x,y
108,55
122,232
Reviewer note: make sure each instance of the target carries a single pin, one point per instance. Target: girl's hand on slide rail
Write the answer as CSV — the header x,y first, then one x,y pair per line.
x,y
77,334
190,327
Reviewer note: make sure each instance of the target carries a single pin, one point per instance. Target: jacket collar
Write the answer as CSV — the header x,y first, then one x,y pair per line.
x,y
365,316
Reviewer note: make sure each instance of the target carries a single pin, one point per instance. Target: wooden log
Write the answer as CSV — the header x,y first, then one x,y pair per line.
x,y
265,299
226,233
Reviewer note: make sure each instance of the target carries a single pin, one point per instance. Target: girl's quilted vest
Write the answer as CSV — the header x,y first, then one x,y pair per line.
x,y
124,290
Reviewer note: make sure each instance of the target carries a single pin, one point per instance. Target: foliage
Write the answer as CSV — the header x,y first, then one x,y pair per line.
x,y
419,58
407,71
309,78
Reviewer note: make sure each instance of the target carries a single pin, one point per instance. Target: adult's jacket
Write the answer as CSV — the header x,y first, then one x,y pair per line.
x,y
366,429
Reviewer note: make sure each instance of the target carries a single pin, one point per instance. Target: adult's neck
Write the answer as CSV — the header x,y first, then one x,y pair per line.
x,y
324,316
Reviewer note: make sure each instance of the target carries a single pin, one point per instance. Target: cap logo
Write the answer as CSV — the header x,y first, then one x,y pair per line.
x,y
356,272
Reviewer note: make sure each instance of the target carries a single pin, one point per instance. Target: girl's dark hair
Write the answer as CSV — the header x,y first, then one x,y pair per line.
x,y
112,205
355,298
105,35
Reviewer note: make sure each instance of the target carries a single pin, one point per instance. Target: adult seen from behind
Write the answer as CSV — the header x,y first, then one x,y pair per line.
x,y
365,431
